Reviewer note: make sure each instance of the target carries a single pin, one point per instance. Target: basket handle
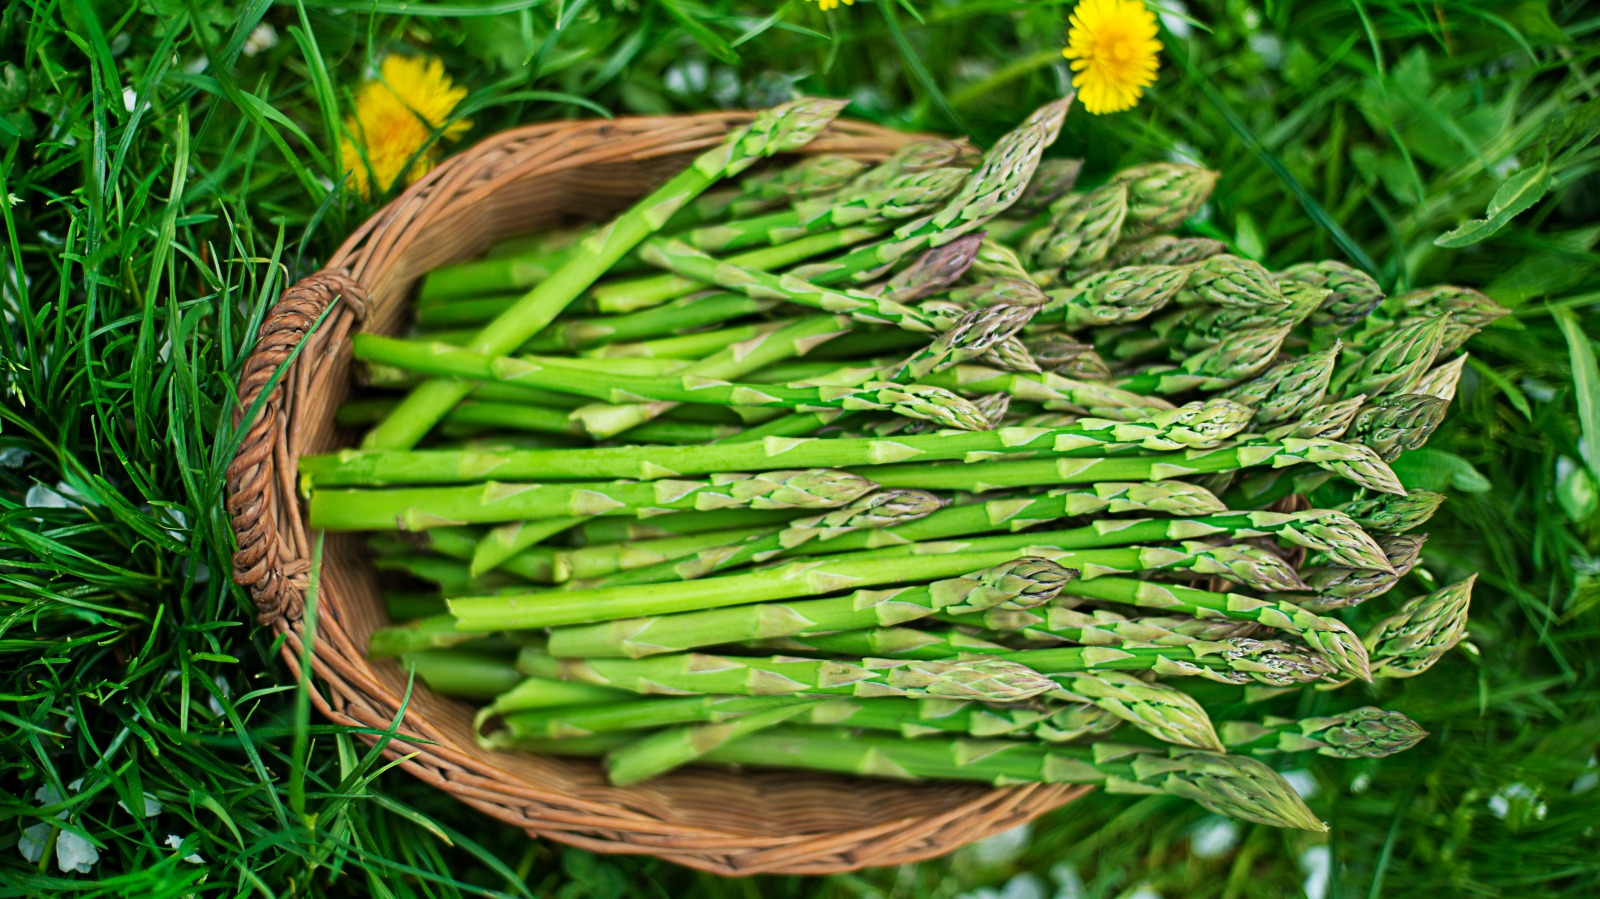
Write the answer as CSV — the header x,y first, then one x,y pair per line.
x,y
276,588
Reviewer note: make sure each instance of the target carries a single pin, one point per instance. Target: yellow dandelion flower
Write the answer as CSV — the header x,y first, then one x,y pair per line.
x,y
826,5
396,117
1113,46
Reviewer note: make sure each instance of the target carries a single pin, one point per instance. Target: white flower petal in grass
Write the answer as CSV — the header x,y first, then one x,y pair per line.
x,y
263,37
1174,17
75,854
1318,865
1302,781
176,842
1214,836
1361,783
1518,800
31,843
1069,884
130,99
1143,892
13,457
151,806
211,699
1023,886
1588,780
999,848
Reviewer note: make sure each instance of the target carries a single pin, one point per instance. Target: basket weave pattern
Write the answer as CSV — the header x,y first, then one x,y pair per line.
x,y
723,821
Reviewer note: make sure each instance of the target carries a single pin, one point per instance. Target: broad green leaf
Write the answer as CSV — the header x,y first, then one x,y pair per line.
x,y
1576,491
1515,196
1439,471
1585,384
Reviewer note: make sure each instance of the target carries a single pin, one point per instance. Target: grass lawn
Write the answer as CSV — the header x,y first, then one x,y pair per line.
x,y
168,167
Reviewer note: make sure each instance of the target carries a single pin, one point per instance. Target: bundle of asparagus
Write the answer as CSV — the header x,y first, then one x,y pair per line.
x,y
935,468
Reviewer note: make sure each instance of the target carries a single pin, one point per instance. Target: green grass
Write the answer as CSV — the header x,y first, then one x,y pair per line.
x,y
143,246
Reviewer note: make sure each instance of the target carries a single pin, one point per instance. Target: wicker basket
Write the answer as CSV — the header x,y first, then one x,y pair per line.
x,y
728,822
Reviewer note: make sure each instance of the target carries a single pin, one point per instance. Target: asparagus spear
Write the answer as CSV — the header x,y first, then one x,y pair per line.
x,y
1366,732
1290,390
657,753
1351,461
414,509
1392,513
1232,358
1021,583
1062,355
1353,295
1055,392
1161,195
1196,425
991,188
1396,361
441,360
1225,280
1392,424
806,577
778,130
1166,250
1059,622
1468,309
1167,714
1240,660
986,680
1236,786
1052,179
1328,421
1420,632
1113,297
1441,380
1082,229
883,509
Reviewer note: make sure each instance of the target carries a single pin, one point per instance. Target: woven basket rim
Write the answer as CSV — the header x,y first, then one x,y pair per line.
x,y
301,358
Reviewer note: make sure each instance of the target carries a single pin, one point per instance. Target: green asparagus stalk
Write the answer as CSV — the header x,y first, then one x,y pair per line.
x,y
1113,297
985,680
1420,632
441,360
1392,424
1328,421
1225,280
1469,311
1231,359
1236,786
1351,461
1055,392
1161,195
1290,390
1441,380
1392,513
1167,714
506,541
991,188
1397,360
1195,330
883,509
1062,355
1051,180
1241,660
778,130
1354,292
1366,732
657,753
1196,425
419,508
601,531
1021,583
464,673
1059,622
1166,250
1082,229
802,578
